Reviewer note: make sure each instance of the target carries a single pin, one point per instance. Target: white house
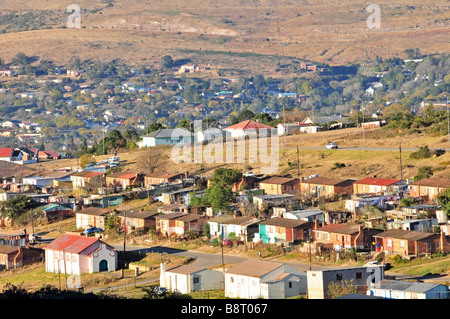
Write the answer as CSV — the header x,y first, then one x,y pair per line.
x,y
403,289
247,128
166,137
254,279
76,255
186,279
38,181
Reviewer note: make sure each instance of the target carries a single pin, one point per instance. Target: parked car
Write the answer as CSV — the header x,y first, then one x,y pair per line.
x,y
228,242
331,146
92,230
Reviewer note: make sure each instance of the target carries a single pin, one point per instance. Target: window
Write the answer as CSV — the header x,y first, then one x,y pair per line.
x,y
290,284
358,275
338,276
389,242
402,243
196,280
232,279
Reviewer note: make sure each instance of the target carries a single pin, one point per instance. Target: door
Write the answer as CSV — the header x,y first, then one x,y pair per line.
x,y
103,265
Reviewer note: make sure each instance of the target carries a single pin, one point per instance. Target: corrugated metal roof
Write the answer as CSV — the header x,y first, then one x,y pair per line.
x,y
184,269
253,268
279,180
96,211
404,234
249,124
404,285
340,229
283,222
71,243
8,249
433,182
377,181
242,221
327,181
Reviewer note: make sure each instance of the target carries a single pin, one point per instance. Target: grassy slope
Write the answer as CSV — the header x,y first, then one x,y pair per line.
x,y
359,163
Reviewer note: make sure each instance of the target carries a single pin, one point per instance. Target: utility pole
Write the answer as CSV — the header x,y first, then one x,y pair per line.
x,y
284,124
448,122
298,164
310,252
124,231
401,169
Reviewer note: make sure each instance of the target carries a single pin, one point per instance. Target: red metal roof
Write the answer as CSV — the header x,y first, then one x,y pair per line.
x,y
71,243
249,124
377,181
5,152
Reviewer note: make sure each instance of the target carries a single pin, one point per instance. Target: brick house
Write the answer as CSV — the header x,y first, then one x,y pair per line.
x,y
324,186
84,178
138,219
411,243
15,256
429,187
275,230
123,180
91,216
166,223
344,236
371,185
159,178
280,185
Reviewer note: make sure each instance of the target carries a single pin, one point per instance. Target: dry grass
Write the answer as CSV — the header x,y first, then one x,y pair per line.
x,y
358,163
142,31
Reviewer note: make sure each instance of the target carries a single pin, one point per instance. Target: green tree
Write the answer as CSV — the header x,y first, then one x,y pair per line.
x,y
166,62
424,172
226,177
86,159
154,127
444,200
17,206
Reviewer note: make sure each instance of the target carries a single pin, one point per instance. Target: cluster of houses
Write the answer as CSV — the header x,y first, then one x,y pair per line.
x,y
413,231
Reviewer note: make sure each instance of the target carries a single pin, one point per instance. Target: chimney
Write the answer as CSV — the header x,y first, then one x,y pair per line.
x,y
141,210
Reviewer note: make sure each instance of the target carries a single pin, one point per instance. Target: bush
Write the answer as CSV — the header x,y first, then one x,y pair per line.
x,y
423,152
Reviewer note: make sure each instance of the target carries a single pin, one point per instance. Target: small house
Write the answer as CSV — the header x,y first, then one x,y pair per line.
x,y
91,216
258,279
76,255
429,187
326,187
187,279
280,185
279,230
405,289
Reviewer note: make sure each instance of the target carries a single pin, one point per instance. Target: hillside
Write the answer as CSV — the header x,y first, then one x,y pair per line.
x,y
358,163
143,31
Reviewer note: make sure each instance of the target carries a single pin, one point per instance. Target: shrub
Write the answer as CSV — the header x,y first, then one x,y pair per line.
x,y
423,152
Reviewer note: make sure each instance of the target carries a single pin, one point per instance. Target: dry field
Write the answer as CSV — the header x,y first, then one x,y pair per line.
x,y
264,31
358,162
